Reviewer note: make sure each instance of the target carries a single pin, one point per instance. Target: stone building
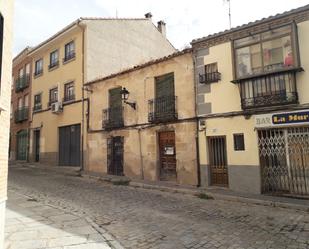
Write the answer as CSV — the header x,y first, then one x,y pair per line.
x,y
6,21
252,86
141,122
85,49
20,104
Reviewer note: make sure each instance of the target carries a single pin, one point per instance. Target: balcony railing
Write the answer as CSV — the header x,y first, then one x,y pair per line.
x,y
53,65
113,117
21,114
69,56
22,82
68,98
37,107
269,90
162,109
210,77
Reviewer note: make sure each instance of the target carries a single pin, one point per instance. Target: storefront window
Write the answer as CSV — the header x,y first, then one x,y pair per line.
x,y
266,52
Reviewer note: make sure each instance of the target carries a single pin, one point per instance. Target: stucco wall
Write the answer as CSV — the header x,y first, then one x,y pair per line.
x,y
121,44
141,83
65,73
6,9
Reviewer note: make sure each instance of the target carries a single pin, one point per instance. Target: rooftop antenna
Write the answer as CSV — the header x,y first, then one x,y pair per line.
x,y
230,15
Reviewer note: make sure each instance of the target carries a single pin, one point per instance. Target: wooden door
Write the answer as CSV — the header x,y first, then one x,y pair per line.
x,y
218,160
22,145
167,152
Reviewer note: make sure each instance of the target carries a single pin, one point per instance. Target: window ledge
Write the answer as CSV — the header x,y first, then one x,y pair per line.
x,y
292,69
68,61
53,68
37,75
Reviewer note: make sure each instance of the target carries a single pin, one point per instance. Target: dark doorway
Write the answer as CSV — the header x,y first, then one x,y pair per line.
x,y
115,156
22,145
69,145
218,160
167,152
36,135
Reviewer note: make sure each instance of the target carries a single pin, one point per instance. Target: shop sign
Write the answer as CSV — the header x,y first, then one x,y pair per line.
x,y
282,119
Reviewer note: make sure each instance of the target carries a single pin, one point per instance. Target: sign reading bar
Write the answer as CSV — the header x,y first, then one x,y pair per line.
x,y
282,119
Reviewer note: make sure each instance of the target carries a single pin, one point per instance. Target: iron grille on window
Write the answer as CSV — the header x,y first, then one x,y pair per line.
x,y
268,90
211,74
21,114
162,109
22,82
112,117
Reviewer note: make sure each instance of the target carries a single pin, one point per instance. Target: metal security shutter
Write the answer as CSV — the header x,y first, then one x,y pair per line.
x,y
69,145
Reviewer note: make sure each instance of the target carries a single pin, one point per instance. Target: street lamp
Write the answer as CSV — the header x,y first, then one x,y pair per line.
x,y
125,95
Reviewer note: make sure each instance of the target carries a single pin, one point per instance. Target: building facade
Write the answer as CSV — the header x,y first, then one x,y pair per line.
x,y
253,105
20,106
6,21
141,122
84,50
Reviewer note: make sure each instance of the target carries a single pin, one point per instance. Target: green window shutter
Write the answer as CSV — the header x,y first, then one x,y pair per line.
x,y
165,85
115,99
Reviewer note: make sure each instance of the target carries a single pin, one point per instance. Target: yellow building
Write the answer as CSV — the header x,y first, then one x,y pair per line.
x,y
84,50
253,105
6,20
142,122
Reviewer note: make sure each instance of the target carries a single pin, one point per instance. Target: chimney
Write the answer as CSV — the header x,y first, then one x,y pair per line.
x,y
148,15
162,27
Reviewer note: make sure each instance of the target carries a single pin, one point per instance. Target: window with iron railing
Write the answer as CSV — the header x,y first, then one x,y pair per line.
x,y
69,94
265,67
211,74
53,59
53,96
112,117
69,51
22,82
21,114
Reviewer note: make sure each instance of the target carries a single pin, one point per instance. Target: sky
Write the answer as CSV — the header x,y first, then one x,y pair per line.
x,y
36,20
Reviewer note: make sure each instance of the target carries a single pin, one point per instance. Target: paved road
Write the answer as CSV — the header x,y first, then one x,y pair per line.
x,y
143,219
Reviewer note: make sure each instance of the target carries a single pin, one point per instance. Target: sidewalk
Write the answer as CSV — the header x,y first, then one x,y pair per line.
x,y
31,225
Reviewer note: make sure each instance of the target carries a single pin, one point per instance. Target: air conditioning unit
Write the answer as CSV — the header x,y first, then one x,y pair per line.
x,y
56,107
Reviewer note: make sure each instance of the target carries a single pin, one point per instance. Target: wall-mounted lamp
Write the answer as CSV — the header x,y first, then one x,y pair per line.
x,y
125,95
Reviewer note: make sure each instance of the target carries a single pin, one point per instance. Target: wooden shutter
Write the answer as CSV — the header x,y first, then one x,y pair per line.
x,y
165,85
115,97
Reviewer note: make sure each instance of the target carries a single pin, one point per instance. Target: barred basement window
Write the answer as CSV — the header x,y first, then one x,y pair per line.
x,y
239,142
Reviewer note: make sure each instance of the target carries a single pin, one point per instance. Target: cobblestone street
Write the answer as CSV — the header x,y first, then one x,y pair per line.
x,y
140,218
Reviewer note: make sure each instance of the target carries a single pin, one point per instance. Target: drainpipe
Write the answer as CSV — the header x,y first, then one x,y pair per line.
x,y
141,154
83,95
197,123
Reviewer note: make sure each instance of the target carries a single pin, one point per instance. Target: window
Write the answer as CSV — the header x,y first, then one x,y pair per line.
x,y
69,91
69,51
38,67
211,74
1,44
53,59
26,100
239,142
53,95
270,51
37,102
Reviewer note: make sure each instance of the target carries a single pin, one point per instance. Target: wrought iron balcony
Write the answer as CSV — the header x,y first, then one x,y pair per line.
x,y
112,118
68,98
269,90
162,109
22,82
21,114
69,56
210,77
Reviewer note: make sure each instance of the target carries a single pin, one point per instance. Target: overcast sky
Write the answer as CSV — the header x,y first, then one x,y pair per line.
x,y
36,20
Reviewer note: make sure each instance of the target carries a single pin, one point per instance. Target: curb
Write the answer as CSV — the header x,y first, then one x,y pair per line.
x,y
222,196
